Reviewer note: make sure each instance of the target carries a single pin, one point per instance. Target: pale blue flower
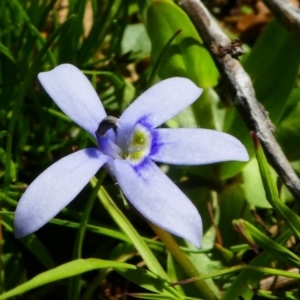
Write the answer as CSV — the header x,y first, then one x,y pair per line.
x,y
127,147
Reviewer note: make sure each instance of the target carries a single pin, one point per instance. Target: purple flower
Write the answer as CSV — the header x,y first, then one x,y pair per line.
x,y
127,147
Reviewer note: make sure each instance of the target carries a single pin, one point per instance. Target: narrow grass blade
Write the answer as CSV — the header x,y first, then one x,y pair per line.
x,y
145,278
130,231
160,58
260,239
290,218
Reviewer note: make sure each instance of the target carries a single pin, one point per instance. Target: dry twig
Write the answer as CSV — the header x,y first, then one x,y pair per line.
x,y
240,89
287,13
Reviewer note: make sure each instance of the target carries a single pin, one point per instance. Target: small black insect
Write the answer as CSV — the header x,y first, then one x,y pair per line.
x,y
107,123
234,49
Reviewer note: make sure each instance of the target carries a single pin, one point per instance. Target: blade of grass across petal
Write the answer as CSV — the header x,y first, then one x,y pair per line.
x,y
197,146
55,188
126,226
74,95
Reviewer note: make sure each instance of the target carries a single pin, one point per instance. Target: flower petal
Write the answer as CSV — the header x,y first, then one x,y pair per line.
x,y
159,103
74,95
159,200
55,188
187,146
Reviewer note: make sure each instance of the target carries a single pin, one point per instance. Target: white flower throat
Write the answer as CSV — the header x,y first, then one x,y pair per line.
x,y
136,148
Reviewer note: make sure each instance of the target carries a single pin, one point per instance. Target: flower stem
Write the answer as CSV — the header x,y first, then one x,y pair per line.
x,y
184,262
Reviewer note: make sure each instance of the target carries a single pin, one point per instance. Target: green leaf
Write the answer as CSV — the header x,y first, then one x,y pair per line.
x,y
240,287
256,237
32,243
147,296
204,113
12,166
161,57
21,95
143,277
204,264
186,56
288,132
3,133
149,281
232,206
175,272
136,40
289,216
155,296
74,284
269,271
275,53
253,186
5,51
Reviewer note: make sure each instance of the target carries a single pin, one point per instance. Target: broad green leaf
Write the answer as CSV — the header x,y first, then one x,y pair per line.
x,y
136,41
253,186
172,270
288,133
143,277
235,125
232,206
186,56
204,113
178,274
275,53
160,58
292,102
204,264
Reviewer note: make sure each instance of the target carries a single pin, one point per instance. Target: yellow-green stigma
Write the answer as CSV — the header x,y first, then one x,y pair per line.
x,y
136,155
140,144
139,141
